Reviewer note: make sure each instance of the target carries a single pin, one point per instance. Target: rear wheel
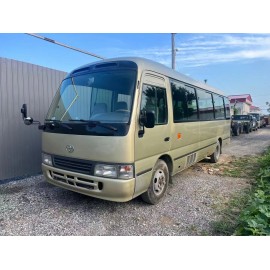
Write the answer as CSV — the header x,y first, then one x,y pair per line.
x,y
159,183
215,156
235,131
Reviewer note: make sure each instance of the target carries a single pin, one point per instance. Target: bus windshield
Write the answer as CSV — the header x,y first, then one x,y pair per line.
x,y
104,97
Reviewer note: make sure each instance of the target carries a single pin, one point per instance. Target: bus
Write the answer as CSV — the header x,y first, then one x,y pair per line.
x,y
123,127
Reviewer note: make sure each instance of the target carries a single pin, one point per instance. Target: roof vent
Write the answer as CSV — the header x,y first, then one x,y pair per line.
x,y
106,65
80,70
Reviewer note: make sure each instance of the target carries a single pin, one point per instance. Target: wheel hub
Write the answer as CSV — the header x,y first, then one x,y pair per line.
x,y
159,182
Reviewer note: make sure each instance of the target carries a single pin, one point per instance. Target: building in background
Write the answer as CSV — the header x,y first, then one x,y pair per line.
x,y
254,109
21,145
240,104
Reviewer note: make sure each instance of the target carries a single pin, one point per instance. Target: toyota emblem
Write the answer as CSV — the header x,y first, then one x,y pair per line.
x,y
70,148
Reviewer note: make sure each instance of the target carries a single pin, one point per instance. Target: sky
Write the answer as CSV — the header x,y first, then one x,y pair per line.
x,y
234,63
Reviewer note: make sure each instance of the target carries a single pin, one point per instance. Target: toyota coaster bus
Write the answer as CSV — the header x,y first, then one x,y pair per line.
x,y
122,127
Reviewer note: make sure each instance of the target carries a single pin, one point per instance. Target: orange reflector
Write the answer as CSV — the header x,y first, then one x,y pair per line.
x,y
179,135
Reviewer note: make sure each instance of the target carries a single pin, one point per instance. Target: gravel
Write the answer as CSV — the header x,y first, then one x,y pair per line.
x,y
253,143
34,207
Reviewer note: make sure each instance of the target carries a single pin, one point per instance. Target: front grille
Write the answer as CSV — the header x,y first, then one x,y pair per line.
x,y
76,181
74,165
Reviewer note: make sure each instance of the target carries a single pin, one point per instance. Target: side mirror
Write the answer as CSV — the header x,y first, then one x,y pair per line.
x,y
24,111
28,121
147,119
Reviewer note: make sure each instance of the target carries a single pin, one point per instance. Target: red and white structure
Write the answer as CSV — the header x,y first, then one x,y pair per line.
x,y
241,103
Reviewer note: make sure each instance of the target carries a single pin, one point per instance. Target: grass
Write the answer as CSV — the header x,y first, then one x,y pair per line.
x,y
243,167
255,217
248,211
230,214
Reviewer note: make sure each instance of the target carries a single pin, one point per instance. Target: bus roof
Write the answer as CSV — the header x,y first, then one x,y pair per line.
x,y
146,64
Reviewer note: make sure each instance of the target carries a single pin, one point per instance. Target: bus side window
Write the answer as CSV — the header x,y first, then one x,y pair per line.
x,y
227,108
154,99
206,108
184,102
219,107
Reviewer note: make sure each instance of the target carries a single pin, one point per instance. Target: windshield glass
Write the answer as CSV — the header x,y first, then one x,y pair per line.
x,y
104,96
240,117
257,116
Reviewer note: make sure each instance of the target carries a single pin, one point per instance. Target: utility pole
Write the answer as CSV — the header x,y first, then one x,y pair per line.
x,y
173,52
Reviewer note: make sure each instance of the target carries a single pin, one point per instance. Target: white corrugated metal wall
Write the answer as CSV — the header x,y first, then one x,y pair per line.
x,y
20,145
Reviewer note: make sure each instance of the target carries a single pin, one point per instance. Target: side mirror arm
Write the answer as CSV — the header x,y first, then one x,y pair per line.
x,y
142,120
29,120
146,119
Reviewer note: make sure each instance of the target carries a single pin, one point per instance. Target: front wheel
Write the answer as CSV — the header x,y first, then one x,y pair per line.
x,y
159,183
215,156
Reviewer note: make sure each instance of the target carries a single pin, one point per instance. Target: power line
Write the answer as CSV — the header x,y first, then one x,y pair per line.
x,y
64,45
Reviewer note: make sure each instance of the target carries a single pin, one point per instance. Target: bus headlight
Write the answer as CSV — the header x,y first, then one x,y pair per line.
x,y
106,170
47,159
114,171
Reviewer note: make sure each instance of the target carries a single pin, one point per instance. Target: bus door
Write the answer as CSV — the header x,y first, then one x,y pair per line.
x,y
152,142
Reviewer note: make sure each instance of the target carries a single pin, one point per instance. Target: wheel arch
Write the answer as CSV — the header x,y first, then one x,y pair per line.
x,y
167,158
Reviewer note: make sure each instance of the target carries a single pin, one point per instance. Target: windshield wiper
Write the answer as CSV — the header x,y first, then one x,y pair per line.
x,y
58,123
94,123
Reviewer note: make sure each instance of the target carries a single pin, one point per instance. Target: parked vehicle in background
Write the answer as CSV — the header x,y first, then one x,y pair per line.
x,y
263,122
266,119
236,126
258,118
255,123
245,120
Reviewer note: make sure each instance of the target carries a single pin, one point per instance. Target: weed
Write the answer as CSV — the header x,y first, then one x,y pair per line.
x,y
248,213
255,218
244,167
230,214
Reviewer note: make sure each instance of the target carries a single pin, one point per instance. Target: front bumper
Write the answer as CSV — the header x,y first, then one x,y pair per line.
x,y
98,187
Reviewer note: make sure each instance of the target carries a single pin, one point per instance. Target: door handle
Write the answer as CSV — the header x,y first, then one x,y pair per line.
x,y
167,139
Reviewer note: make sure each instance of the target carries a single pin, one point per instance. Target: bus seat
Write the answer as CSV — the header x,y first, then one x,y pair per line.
x,y
99,108
121,105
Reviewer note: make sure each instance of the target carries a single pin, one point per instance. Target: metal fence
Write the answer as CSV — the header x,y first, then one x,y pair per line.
x,y
20,145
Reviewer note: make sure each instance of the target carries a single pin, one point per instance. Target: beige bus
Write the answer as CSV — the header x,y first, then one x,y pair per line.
x,y
122,127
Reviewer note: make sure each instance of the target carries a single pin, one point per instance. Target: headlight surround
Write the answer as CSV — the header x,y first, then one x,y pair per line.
x,y
47,159
114,171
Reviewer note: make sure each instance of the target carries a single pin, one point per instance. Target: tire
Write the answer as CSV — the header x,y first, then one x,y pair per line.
x,y
215,156
159,183
236,131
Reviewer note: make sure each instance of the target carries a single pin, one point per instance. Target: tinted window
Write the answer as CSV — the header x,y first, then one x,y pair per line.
x,y
205,105
154,99
219,107
227,108
184,102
